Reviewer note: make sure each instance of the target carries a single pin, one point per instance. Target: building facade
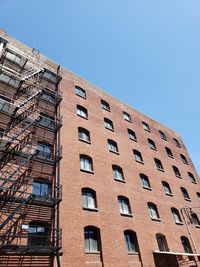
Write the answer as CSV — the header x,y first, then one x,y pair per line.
x,y
86,180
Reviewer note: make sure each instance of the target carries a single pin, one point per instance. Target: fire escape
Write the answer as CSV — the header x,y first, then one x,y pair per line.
x,y
30,191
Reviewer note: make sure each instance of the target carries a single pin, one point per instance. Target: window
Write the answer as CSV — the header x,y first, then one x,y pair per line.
x,y
80,92
15,58
131,135
89,198
162,242
117,173
52,77
83,134
159,165
41,188
195,219
176,216
1,132
8,79
126,116
131,241
5,105
145,181
162,135
191,177
166,188
105,105
153,211
44,150
47,121
92,239
138,156
184,160
48,97
176,142
38,234
176,171
185,193
198,195
151,144
108,124
186,244
112,146
145,126
81,111
86,163
124,206
169,152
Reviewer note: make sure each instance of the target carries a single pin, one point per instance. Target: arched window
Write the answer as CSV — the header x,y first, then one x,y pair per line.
x,y
124,205
112,146
176,171
185,194
126,116
169,152
186,244
82,112
151,143
191,177
166,188
153,211
92,239
86,163
146,126
176,142
184,160
117,172
83,134
145,181
89,198
131,241
80,92
105,105
162,135
195,219
41,188
198,195
108,124
162,242
1,132
131,135
176,216
159,165
138,156
38,234
44,150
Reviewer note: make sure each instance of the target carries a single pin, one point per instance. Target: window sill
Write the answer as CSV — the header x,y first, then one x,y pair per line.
x,y
81,96
126,215
197,226
165,139
115,152
188,199
194,182
139,161
106,109
172,157
147,130
169,194
156,219
120,180
154,148
110,129
92,252
128,120
147,188
179,223
91,172
133,139
161,170
86,118
186,163
178,176
90,209
85,141
133,253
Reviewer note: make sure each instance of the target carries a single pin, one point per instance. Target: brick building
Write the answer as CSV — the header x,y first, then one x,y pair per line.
x,y
86,180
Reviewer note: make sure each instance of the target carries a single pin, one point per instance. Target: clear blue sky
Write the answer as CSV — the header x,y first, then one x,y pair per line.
x,y
146,53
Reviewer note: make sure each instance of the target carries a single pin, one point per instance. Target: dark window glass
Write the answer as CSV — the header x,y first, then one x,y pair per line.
x,y
176,142
126,116
44,150
176,171
138,156
146,126
145,181
89,198
131,135
83,134
176,216
92,239
105,105
162,135
153,211
112,146
195,219
41,188
151,144
191,177
86,163
186,244
169,152
80,92
162,243
130,241
81,111
117,172
38,234
166,188
108,124
124,205
185,193
159,165
183,158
